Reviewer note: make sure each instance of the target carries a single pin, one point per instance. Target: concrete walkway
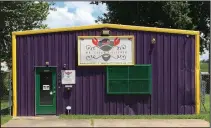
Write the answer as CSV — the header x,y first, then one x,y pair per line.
x,y
50,121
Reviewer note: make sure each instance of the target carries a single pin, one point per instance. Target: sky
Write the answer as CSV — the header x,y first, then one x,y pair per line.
x,y
79,13
69,14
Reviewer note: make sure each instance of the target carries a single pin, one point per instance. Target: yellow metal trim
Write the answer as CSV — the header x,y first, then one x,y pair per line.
x,y
14,75
114,26
197,72
134,50
79,46
88,37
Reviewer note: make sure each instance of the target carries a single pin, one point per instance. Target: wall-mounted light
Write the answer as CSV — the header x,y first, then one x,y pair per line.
x,y
47,63
105,32
153,40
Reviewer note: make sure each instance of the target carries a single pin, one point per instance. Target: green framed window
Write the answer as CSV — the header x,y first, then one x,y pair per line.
x,y
129,79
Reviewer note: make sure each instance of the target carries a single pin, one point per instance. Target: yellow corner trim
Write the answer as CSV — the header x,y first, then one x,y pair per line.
x,y
114,26
197,73
14,75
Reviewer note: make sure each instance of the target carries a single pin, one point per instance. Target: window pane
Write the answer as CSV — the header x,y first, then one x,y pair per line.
x,y
45,88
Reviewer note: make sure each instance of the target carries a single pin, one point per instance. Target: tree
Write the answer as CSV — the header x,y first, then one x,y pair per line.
x,y
191,15
18,16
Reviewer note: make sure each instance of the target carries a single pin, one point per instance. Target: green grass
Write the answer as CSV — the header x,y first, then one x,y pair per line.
x,y
5,119
204,67
201,116
207,103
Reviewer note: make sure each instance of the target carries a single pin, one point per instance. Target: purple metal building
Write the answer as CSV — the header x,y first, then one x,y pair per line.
x,y
175,67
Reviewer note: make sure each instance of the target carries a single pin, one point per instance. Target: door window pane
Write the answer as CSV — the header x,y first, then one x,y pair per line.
x,y
46,94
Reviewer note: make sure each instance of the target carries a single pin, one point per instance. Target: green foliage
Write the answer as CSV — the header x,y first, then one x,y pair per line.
x,y
18,16
191,15
4,79
4,104
204,67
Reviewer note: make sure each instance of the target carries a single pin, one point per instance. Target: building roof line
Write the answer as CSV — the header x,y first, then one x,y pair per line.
x,y
114,26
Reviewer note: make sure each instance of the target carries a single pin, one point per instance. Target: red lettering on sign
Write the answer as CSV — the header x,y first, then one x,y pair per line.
x,y
68,73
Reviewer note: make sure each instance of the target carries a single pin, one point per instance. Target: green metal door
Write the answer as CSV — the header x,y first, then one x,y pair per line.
x,y
45,90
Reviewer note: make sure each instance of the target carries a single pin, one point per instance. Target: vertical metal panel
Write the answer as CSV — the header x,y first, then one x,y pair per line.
x,y
18,74
158,78
173,74
172,59
146,60
167,64
187,65
192,74
139,48
154,60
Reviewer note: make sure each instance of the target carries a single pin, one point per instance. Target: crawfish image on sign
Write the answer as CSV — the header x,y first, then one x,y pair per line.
x,y
106,45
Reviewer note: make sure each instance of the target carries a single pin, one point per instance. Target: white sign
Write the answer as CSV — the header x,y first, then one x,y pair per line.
x,y
117,50
46,87
68,76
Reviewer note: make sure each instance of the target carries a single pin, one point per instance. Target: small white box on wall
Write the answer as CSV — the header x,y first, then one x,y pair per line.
x,y
68,77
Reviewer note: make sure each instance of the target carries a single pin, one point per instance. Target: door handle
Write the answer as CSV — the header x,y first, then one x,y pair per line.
x,y
52,92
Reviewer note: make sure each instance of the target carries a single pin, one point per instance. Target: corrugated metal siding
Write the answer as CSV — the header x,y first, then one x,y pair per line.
x,y
172,59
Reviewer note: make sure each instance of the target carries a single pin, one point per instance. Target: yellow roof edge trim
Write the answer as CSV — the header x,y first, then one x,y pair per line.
x,y
114,26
